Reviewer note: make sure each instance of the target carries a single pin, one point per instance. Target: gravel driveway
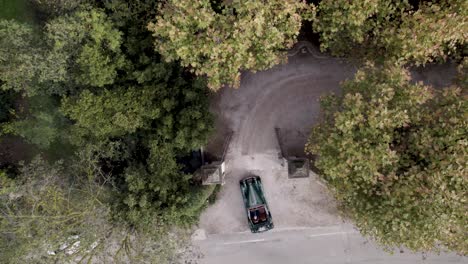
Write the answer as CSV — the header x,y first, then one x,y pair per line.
x,y
285,97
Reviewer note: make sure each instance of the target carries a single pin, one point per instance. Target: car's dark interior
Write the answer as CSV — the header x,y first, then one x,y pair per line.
x,y
258,214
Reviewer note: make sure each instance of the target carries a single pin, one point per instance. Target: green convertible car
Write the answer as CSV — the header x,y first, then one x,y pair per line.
x,y
258,213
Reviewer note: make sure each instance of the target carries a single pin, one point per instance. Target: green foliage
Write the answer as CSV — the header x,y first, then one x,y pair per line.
x,y
163,186
138,125
85,49
6,105
80,49
251,35
344,24
394,154
124,112
440,144
393,30
61,214
56,7
197,199
44,209
40,129
41,125
153,119
434,31
156,187
113,113
20,56
177,116
16,9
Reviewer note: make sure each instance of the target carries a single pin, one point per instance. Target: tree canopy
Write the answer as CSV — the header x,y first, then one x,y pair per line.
x,y
114,95
54,215
85,46
43,209
93,85
396,30
394,154
53,8
154,120
20,55
220,39
75,50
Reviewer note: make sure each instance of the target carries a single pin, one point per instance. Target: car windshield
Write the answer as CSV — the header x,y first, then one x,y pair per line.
x,y
258,214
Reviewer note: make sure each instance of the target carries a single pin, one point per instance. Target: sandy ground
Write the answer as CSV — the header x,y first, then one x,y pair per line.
x,y
285,97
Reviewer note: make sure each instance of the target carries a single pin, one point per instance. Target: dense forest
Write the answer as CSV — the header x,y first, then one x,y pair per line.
x,y
101,100
108,119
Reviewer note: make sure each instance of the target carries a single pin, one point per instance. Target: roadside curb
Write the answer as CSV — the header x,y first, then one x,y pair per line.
x,y
310,232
